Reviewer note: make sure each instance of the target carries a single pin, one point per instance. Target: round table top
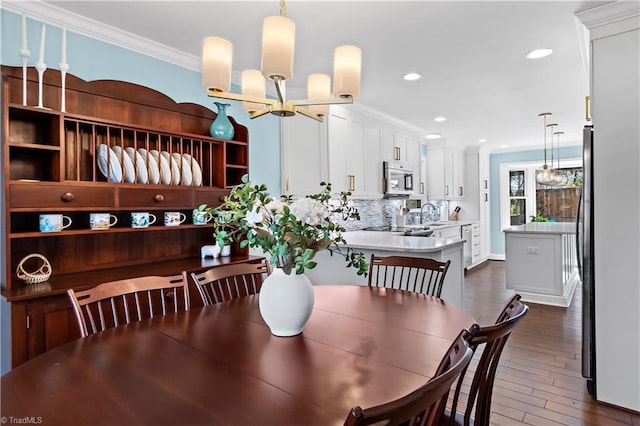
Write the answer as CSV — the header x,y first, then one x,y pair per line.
x,y
221,365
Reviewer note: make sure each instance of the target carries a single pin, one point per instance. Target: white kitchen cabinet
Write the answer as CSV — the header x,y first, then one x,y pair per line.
x,y
446,173
476,244
413,150
394,146
354,154
475,205
423,184
448,232
347,149
457,174
304,155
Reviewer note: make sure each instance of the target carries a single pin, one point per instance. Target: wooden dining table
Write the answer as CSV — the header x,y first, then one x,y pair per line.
x,y
220,365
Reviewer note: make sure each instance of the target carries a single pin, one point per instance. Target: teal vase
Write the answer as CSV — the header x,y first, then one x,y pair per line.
x,y
221,127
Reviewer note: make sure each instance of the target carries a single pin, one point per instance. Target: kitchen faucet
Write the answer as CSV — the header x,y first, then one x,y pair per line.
x,y
433,209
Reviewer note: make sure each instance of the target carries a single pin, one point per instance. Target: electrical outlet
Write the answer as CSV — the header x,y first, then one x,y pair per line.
x,y
533,250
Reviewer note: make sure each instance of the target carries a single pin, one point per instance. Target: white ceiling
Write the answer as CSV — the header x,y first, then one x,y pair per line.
x,y
471,54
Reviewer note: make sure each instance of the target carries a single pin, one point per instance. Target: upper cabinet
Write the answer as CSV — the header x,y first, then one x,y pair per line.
x,y
304,155
347,149
446,173
354,154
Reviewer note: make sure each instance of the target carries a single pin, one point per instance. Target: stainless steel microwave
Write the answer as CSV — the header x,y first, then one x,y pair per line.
x,y
398,179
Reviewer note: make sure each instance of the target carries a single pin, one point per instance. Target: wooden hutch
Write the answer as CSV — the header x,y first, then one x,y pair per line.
x,y
50,161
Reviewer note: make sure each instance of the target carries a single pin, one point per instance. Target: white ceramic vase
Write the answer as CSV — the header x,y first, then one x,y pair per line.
x,y
286,302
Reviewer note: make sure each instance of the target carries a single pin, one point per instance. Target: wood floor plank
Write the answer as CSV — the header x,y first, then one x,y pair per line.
x,y
539,379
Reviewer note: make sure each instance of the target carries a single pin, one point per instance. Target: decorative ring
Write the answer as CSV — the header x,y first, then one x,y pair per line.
x,y
41,275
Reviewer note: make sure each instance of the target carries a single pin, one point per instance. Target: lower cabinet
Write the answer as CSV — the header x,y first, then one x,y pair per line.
x,y
40,325
43,322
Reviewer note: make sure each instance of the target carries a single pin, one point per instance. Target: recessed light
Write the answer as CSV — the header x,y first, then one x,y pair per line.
x,y
482,140
539,53
440,119
412,76
504,146
433,136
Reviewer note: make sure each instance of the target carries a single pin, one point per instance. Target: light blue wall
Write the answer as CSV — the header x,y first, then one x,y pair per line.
x,y
495,160
92,59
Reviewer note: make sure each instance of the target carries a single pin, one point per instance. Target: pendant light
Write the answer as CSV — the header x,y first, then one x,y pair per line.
x,y
561,178
546,176
553,181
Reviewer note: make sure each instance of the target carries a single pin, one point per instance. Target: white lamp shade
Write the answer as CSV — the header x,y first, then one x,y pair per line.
x,y
253,86
217,54
346,71
278,41
319,87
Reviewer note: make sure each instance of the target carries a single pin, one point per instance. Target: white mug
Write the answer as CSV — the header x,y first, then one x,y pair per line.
x,y
225,251
202,218
100,221
54,222
174,218
142,219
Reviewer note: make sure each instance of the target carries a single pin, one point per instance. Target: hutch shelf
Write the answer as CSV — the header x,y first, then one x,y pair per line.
x,y
119,148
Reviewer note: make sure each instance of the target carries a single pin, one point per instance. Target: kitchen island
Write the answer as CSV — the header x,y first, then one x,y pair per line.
x,y
541,262
332,269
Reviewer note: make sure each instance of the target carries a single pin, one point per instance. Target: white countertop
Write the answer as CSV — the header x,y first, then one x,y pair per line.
x,y
544,228
394,241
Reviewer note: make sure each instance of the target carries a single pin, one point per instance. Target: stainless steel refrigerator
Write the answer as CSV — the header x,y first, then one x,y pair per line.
x,y
584,243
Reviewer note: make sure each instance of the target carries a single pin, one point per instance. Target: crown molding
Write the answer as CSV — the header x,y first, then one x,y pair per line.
x,y
53,15
50,14
622,15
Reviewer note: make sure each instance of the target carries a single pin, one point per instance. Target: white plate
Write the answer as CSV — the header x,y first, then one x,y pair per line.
x,y
195,169
165,171
129,171
175,168
112,164
142,176
152,164
185,168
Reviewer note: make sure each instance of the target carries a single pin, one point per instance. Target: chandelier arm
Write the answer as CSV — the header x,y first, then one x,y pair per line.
x,y
330,101
309,114
237,97
256,114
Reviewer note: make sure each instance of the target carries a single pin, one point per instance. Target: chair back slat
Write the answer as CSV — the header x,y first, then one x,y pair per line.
x,y
228,282
420,275
125,301
425,405
494,338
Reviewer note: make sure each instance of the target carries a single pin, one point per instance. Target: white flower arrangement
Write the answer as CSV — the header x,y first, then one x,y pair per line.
x,y
291,231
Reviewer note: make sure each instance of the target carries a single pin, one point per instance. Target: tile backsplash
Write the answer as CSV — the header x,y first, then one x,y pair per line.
x,y
383,213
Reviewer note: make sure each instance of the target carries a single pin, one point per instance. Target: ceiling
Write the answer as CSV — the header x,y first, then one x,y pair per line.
x,y
471,55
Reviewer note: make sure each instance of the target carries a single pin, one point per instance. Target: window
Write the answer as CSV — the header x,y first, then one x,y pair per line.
x,y
560,204
517,198
521,197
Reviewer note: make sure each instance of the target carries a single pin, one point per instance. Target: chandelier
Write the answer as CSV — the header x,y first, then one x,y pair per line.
x,y
278,41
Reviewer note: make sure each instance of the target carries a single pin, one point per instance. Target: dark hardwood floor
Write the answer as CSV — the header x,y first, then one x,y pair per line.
x,y
539,380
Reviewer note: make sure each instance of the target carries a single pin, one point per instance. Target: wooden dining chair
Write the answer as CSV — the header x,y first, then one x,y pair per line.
x,y
425,405
230,282
121,302
417,274
494,337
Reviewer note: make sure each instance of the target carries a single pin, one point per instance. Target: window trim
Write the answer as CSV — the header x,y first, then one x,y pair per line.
x,y
529,168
